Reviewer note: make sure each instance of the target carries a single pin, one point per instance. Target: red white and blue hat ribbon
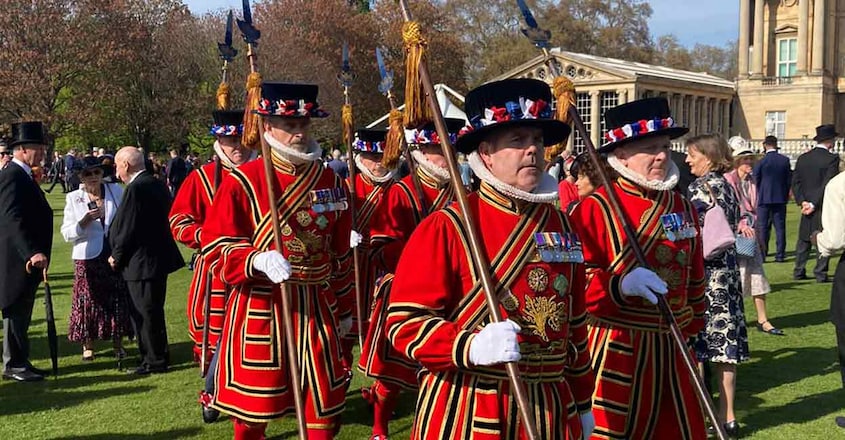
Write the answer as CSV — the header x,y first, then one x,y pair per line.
x,y
524,109
423,136
638,128
368,146
290,108
227,130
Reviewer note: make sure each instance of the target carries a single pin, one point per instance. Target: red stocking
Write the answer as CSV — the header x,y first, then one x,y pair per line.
x,y
248,431
385,398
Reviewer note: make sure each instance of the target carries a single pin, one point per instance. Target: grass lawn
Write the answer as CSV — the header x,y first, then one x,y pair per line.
x,y
790,389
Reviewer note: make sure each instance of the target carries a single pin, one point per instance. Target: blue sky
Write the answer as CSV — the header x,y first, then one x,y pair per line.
x,y
693,21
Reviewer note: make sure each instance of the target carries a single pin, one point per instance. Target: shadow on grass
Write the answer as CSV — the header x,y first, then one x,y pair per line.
x,y
47,395
163,435
800,320
801,410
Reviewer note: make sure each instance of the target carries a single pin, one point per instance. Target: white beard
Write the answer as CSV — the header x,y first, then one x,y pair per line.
x,y
666,184
291,155
545,192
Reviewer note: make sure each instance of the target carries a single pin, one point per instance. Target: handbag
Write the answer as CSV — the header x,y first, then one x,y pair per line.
x,y
716,233
746,247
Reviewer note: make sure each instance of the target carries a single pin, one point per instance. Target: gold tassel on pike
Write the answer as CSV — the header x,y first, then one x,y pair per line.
x,y
393,142
347,125
250,138
417,111
223,96
564,91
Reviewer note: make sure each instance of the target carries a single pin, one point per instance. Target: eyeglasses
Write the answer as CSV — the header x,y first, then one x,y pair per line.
x,y
4,153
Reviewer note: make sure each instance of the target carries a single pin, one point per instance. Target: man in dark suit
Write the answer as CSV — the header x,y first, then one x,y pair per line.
x,y
26,237
144,251
685,176
812,172
177,171
772,175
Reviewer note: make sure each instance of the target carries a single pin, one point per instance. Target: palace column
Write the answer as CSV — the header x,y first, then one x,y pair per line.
x,y
744,24
595,116
819,18
757,68
803,35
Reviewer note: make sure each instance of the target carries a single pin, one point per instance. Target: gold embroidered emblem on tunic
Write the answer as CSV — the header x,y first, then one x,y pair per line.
x,y
304,218
542,312
538,279
510,302
287,230
663,254
672,277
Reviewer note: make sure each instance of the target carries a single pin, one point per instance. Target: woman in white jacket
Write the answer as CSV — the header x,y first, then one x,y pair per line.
x,y
99,310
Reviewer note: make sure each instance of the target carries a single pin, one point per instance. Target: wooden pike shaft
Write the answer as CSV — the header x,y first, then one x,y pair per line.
x,y
287,311
356,257
412,166
665,311
478,257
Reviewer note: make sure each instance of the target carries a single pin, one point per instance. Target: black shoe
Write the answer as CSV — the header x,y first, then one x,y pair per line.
x,y
840,422
209,414
146,371
732,429
22,375
800,276
772,331
824,279
39,371
780,260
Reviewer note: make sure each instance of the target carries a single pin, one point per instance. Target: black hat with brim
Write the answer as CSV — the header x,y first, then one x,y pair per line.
x,y
288,100
825,132
370,140
90,163
510,103
640,119
31,132
227,123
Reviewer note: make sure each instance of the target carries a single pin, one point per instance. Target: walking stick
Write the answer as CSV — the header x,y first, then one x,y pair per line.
x,y
396,143
411,34
541,39
254,126
346,77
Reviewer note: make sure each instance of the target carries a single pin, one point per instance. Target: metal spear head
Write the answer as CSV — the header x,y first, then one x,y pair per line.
x,y
540,37
227,52
346,76
250,33
386,82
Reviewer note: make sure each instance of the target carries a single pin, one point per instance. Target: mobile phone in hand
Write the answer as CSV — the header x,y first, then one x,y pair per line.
x,y
92,205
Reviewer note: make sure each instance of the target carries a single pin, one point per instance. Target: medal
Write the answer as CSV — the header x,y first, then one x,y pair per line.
x,y
538,280
542,248
322,222
561,285
577,250
558,248
668,222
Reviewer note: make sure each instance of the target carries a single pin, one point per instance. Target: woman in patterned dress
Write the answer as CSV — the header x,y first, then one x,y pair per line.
x,y
752,275
99,309
724,340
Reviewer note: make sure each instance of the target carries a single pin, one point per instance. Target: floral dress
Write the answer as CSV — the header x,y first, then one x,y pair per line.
x,y
724,338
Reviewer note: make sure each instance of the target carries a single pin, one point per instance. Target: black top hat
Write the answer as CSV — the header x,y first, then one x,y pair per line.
x,y
28,133
428,133
510,103
228,123
639,119
289,100
370,140
825,132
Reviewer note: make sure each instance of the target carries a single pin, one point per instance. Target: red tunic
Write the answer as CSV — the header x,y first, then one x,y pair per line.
x,y
187,216
436,308
395,221
369,196
252,379
642,388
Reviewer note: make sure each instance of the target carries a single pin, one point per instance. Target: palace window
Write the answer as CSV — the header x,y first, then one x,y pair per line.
x,y
776,124
582,103
608,100
787,57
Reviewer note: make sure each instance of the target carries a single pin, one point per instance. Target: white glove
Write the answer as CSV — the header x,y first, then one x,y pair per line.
x,y
643,283
355,239
273,264
345,326
495,344
588,423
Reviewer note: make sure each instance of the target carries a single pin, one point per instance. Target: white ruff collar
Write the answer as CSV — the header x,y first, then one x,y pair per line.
x,y
366,172
289,154
224,159
666,184
439,174
546,191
